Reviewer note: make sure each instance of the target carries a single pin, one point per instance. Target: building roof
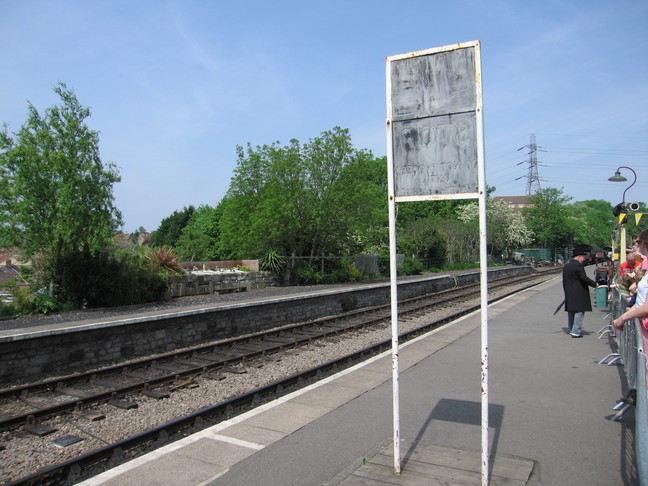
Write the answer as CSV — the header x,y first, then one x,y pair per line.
x,y
8,272
517,203
513,199
11,256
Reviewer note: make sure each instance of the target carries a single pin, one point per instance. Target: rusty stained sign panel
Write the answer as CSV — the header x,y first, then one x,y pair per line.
x,y
434,99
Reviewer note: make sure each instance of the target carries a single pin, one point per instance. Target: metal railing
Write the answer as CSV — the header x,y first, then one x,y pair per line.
x,y
632,351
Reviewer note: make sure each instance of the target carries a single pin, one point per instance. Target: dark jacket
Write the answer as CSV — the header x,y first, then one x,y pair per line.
x,y
575,282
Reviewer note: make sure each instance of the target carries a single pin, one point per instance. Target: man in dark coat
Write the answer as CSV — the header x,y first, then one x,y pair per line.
x,y
577,296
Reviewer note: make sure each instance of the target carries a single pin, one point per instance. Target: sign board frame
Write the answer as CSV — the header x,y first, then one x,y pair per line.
x,y
435,122
435,151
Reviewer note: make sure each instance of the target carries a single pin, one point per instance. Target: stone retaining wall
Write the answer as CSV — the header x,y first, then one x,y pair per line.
x,y
217,282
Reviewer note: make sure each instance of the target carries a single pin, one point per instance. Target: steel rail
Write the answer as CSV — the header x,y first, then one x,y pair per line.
x,y
235,346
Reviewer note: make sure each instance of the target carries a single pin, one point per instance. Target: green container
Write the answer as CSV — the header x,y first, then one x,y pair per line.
x,y
538,254
602,296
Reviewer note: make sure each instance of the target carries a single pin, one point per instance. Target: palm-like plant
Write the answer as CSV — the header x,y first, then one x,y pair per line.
x,y
273,262
164,258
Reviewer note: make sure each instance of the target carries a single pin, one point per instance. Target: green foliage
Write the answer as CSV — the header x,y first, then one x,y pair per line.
x,y
21,298
410,266
589,221
338,275
134,236
422,239
10,284
303,274
421,210
24,302
460,266
321,197
200,238
548,219
383,262
273,262
170,229
354,274
55,192
43,303
105,278
164,260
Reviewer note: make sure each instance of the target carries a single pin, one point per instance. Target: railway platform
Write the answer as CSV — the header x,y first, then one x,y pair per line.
x,y
550,410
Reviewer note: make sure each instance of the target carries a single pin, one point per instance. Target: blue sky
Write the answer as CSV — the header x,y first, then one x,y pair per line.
x,y
174,86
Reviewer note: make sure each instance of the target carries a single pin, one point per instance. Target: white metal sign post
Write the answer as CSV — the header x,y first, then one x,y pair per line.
x,y
435,151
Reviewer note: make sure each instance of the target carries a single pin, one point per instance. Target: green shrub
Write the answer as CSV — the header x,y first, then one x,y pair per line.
x,y
383,263
273,262
353,273
42,303
21,297
164,259
410,267
6,309
339,275
108,278
303,274
24,302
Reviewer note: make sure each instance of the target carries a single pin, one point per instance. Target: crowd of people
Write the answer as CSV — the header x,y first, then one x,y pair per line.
x,y
632,280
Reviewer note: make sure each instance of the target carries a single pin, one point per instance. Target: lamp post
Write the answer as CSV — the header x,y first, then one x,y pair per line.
x,y
621,208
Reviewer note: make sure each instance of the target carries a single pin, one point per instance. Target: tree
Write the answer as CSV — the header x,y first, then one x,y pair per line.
x,y
548,219
200,238
506,228
171,228
421,239
55,192
591,222
308,199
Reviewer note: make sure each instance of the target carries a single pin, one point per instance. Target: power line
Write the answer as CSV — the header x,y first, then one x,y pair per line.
x,y
586,151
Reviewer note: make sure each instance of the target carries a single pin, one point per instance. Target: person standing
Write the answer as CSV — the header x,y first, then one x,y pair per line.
x,y
577,296
630,264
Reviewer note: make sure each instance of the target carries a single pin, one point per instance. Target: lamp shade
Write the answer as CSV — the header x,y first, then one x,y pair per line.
x,y
617,177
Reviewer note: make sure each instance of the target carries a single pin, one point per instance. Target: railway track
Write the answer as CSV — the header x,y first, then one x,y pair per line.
x,y
33,406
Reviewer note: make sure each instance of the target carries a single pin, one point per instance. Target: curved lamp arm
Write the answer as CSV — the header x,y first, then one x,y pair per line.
x,y
617,177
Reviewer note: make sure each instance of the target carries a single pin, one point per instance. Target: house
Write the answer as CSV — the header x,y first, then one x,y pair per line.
x,y
516,203
9,264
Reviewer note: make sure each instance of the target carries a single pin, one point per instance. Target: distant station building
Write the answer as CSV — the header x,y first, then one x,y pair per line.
x,y
516,203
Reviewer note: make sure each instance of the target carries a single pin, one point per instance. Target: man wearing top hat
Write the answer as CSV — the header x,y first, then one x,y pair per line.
x,y
577,296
